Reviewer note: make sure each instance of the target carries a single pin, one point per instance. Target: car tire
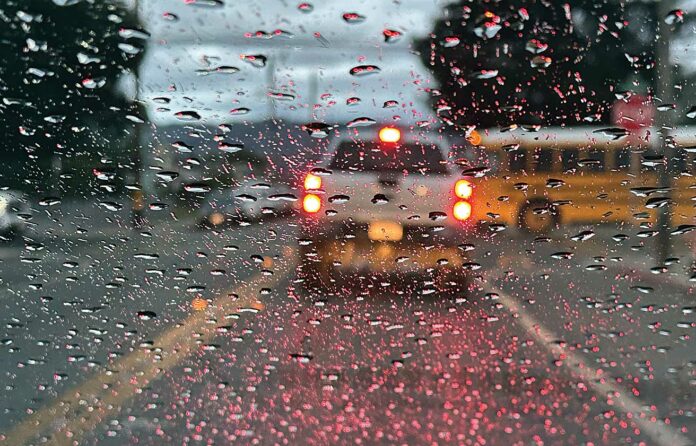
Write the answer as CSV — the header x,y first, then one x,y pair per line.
x,y
529,218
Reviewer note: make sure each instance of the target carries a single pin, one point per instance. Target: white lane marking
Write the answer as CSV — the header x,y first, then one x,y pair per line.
x,y
662,434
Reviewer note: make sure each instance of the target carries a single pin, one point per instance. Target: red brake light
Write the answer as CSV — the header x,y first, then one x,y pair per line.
x,y
461,210
389,134
463,189
311,203
312,182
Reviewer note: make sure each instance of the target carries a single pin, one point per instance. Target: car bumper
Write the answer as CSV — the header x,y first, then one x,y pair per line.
x,y
348,247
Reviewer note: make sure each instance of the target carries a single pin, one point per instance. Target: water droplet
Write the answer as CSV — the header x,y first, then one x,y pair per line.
x,y
167,176
197,188
224,69
111,206
554,183
540,62
450,41
317,129
66,2
239,111
338,199
282,197
230,147
146,315
379,199
182,147
653,160
145,256
582,236
49,201
437,216
674,16
301,357
129,49
281,96
130,33
683,229
657,202
255,60
596,267
535,46
364,70
353,17
305,7
484,74
614,132
187,115
361,122
205,3
92,83
666,107
170,17
391,35
246,198
157,206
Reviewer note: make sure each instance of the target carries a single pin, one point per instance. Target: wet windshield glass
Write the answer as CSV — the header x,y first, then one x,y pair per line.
x,y
365,222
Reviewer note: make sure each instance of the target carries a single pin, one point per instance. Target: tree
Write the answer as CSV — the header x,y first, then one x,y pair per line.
x,y
538,61
59,65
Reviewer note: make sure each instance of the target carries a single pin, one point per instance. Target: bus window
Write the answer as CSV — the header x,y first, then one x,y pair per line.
x,y
622,159
598,155
543,160
569,159
518,160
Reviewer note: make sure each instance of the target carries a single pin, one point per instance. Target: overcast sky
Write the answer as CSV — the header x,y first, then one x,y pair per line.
x,y
311,63
309,59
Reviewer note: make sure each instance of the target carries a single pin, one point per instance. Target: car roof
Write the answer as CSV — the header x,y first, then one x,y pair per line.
x,y
371,133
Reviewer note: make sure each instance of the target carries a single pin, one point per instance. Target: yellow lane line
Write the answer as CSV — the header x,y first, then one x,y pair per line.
x,y
81,409
662,434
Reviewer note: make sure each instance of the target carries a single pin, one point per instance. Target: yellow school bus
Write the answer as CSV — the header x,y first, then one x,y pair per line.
x,y
559,176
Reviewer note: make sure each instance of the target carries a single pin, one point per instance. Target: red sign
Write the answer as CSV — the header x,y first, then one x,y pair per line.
x,y
635,113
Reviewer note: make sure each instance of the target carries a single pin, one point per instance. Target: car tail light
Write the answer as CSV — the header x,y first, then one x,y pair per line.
x,y
463,189
311,203
461,210
389,134
312,182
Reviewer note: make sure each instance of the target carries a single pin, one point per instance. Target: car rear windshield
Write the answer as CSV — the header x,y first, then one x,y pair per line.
x,y
376,157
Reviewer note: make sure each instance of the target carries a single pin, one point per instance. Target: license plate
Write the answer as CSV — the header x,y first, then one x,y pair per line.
x,y
385,230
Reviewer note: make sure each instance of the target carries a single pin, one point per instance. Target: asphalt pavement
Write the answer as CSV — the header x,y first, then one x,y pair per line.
x,y
169,334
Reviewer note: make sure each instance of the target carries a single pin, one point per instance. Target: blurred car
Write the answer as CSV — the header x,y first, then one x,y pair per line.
x,y
386,201
12,207
253,200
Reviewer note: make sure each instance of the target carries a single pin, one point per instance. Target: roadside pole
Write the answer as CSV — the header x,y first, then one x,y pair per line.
x,y
664,122
138,196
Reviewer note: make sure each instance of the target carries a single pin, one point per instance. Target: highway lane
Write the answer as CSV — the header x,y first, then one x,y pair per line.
x,y
540,349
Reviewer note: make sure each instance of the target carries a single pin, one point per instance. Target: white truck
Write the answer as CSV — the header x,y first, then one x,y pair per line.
x,y
386,200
